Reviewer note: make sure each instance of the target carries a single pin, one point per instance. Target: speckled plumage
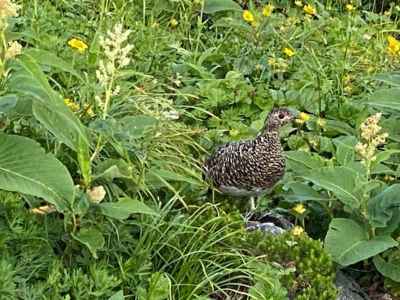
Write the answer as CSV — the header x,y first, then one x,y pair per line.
x,y
250,167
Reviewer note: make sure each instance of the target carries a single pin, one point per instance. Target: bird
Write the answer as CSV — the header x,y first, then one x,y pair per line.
x,y
250,168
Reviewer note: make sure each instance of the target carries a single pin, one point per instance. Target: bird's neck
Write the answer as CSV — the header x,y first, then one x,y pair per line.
x,y
270,136
270,130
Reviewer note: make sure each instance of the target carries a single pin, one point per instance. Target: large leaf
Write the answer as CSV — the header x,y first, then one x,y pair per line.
x,y
47,58
7,102
48,107
92,238
388,268
213,6
385,99
124,208
304,192
348,242
383,206
26,168
391,78
345,152
341,181
301,161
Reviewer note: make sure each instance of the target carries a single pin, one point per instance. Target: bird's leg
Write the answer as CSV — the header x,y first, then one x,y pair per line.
x,y
252,204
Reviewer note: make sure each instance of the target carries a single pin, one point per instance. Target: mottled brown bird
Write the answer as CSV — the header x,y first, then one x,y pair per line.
x,y
250,167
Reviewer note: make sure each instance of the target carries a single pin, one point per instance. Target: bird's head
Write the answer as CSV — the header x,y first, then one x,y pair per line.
x,y
279,117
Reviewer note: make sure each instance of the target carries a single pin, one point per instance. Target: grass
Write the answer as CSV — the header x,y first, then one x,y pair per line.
x,y
134,126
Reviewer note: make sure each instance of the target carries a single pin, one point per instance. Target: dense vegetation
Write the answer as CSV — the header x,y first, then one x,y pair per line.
x,y
108,108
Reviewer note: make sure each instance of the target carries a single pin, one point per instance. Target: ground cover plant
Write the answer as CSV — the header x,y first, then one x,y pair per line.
x,y
109,108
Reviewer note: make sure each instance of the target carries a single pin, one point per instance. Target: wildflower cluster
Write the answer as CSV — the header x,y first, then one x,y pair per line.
x,y
9,49
116,52
250,18
371,137
8,9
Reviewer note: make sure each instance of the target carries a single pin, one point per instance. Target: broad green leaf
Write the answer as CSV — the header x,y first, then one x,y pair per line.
x,y
348,242
48,106
391,78
383,206
111,169
341,181
124,208
7,102
384,155
117,296
92,238
303,192
27,169
301,161
333,127
345,152
387,268
385,99
47,58
213,6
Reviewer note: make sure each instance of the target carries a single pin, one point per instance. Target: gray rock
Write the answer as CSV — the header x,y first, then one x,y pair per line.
x,y
348,288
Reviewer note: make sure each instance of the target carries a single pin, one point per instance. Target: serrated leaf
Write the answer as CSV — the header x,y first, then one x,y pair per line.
x,y
27,169
124,208
348,242
92,238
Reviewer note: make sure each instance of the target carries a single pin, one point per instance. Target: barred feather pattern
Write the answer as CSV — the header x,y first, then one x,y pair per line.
x,y
250,167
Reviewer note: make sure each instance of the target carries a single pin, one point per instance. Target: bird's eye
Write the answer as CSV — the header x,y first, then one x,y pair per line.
x,y
281,116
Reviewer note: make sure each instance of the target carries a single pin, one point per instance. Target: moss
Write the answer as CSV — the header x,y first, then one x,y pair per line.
x,y
313,272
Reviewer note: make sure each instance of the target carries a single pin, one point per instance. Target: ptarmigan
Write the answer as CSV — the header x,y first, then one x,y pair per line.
x,y
251,167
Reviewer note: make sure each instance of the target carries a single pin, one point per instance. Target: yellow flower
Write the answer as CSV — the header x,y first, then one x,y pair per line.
x,y
87,109
173,22
297,230
289,52
304,116
267,10
248,16
349,7
78,45
71,104
309,9
299,209
298,3
394,46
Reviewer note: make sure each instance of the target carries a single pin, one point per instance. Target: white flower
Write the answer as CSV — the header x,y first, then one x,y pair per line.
x,y
96,194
